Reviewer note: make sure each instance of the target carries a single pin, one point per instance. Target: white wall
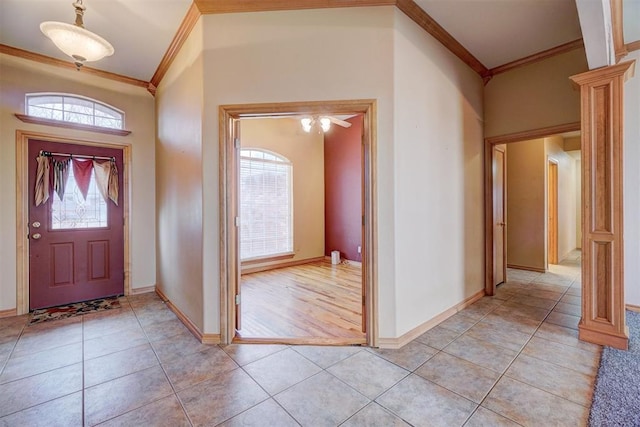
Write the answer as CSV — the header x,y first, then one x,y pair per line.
x,y
438,163
179,101
534,96
567,194
631,182
292,56
20,76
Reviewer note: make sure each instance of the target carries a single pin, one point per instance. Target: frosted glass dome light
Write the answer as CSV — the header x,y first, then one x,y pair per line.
x,y
72,39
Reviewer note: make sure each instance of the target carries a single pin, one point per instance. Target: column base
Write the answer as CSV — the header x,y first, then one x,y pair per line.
x,y
611,339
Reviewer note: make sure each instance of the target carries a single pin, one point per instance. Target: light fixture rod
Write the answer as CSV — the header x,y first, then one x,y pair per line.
x,y
80,8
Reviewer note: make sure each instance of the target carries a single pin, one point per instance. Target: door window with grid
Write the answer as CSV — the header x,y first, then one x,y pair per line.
x,y
266,208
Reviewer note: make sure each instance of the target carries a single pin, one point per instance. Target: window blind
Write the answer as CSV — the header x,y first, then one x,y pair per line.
x,y
266,221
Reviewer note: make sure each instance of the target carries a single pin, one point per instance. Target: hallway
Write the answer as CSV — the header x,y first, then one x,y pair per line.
x,y
513,359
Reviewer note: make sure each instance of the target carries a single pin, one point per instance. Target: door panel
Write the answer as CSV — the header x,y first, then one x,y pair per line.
x,y
499,216
98,260
552,214
69,264
62,263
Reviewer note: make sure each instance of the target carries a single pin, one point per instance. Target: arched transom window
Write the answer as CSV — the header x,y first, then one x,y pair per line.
x,y
74,109
266,207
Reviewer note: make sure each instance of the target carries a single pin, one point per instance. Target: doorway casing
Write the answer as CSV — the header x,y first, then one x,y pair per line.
x,y
229,117
22,208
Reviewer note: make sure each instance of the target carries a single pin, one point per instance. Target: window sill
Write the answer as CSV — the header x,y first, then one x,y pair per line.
x,y
270,258
48,122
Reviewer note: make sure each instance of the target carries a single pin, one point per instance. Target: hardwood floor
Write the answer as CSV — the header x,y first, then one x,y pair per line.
x,y
316,302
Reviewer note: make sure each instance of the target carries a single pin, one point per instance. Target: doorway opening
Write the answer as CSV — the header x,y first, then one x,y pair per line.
x,y
281,280
546,201
103,248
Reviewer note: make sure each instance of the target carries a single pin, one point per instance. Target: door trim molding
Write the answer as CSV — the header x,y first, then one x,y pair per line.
x,y
228,116
22,207
488,186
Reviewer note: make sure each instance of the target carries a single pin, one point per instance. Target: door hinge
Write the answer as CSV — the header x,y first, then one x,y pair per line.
x,y
238,299
363,220
237,221
236,143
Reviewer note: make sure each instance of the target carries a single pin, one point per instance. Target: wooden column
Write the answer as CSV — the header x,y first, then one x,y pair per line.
x,y
603,315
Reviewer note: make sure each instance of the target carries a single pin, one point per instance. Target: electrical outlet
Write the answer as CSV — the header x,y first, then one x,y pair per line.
x,y
359,249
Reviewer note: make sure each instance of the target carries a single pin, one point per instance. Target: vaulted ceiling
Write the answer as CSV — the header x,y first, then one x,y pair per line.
x,y
495,32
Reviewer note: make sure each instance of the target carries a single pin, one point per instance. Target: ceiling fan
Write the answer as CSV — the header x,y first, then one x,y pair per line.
x,y
321,123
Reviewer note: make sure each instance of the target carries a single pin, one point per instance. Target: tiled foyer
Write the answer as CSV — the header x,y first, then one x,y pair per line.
x,y
513,359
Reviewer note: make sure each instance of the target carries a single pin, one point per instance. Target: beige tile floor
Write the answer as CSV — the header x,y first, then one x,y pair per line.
x,y
513,359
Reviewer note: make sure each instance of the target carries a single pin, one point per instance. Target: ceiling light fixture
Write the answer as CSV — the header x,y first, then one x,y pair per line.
x,y
80,44
322,123
306,124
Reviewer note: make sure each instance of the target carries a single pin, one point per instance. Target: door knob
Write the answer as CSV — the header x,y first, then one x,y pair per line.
x,y
36,224
36,236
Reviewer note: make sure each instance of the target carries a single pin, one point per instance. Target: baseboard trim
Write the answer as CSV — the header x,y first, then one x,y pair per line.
x,y
631,307
280,265
524,267
203,338
146,289
11,312
395,343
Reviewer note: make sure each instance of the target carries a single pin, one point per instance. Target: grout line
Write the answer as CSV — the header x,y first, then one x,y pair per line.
x,y
13,348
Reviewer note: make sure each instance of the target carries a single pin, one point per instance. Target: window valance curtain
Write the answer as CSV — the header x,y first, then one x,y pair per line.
x,y
48,168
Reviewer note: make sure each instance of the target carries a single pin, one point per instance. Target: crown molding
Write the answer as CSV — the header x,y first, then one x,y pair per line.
x,y
576,44
189,21
239,6
43,59
427,23
633,46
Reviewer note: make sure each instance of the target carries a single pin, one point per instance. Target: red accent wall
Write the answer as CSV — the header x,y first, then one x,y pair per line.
x,y
343,189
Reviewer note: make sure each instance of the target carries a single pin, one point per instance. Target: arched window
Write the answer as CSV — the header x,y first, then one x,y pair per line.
x,y
266,204
74,109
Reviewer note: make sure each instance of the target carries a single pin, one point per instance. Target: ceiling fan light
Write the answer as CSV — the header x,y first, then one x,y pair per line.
x,y
306,124
325,123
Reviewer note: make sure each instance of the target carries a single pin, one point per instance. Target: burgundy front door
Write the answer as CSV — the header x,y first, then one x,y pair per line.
x,y
76,245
